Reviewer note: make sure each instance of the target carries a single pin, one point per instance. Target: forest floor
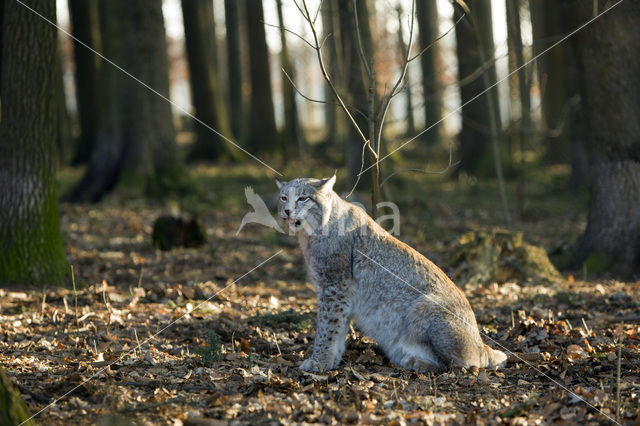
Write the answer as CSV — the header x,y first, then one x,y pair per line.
x,y
224,327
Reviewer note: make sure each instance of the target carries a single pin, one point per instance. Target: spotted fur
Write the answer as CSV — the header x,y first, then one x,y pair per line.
x,y
417,315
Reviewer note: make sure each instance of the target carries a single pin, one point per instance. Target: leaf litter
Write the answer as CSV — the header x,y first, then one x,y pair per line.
x,y
233,358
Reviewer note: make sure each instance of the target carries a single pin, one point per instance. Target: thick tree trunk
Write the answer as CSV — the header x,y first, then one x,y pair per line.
x,y
135,149
64,144
474,137
546,20
13,411
292,136
356,91
86,27
234,52
30,242
427,13
1,24
149,129
104,164
610,74
263,135
200,40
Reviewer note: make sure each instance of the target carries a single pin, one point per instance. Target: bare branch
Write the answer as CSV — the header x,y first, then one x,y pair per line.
x,y
437,39
403,73
326,77
302,12
317,100
425,171
364,146
363,58
290,32
324,40
315,17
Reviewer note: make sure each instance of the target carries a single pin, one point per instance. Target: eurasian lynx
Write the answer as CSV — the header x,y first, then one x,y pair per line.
x,y
416,314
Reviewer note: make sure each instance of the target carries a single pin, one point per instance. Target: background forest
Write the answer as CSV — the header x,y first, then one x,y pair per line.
x,y
505,132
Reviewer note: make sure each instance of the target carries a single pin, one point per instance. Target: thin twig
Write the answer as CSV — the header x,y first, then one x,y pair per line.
x,y
325,74
387,101
317,100
437,39
425,171
363,57
618,383
143,407
75,297
315,17
353,188
290,32
441,119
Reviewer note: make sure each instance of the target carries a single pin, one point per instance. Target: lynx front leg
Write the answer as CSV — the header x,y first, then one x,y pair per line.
x,y
331,330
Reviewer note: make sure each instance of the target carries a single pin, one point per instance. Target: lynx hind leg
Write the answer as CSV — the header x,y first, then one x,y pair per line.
x,y
452,342
496,358
417,357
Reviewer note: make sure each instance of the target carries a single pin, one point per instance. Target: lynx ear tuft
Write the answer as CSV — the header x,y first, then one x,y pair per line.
x,y
279,183
326,185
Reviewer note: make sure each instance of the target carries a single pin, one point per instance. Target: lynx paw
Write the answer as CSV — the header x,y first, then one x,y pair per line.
x,y
312,366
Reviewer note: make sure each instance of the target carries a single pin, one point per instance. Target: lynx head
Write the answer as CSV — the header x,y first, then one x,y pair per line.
x,y
305,203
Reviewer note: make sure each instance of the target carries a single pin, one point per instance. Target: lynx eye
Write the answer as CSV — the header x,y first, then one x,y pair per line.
x,y
303,198
283,197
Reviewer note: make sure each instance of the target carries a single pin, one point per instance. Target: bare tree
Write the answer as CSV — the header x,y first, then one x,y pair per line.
x,y
292,136
200,41
427,13
86,27
402,47
135,147
546,20
357,76
334,122
610,81
474,42
515,45
263,135
234,72
368,132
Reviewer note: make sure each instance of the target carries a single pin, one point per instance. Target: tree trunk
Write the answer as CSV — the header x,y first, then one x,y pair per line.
x,y
135,148
427,14
474,137
30,242
515,45
356,95
234,52
262,126
104,164
546,23
64,143
292,136
200,40
13,410
402,48
86,27
576,117
610,74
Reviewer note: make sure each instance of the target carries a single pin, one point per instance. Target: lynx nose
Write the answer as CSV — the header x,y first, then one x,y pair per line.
x,y
287,212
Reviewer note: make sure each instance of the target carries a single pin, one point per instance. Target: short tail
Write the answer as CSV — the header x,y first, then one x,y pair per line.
x,y
495,358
